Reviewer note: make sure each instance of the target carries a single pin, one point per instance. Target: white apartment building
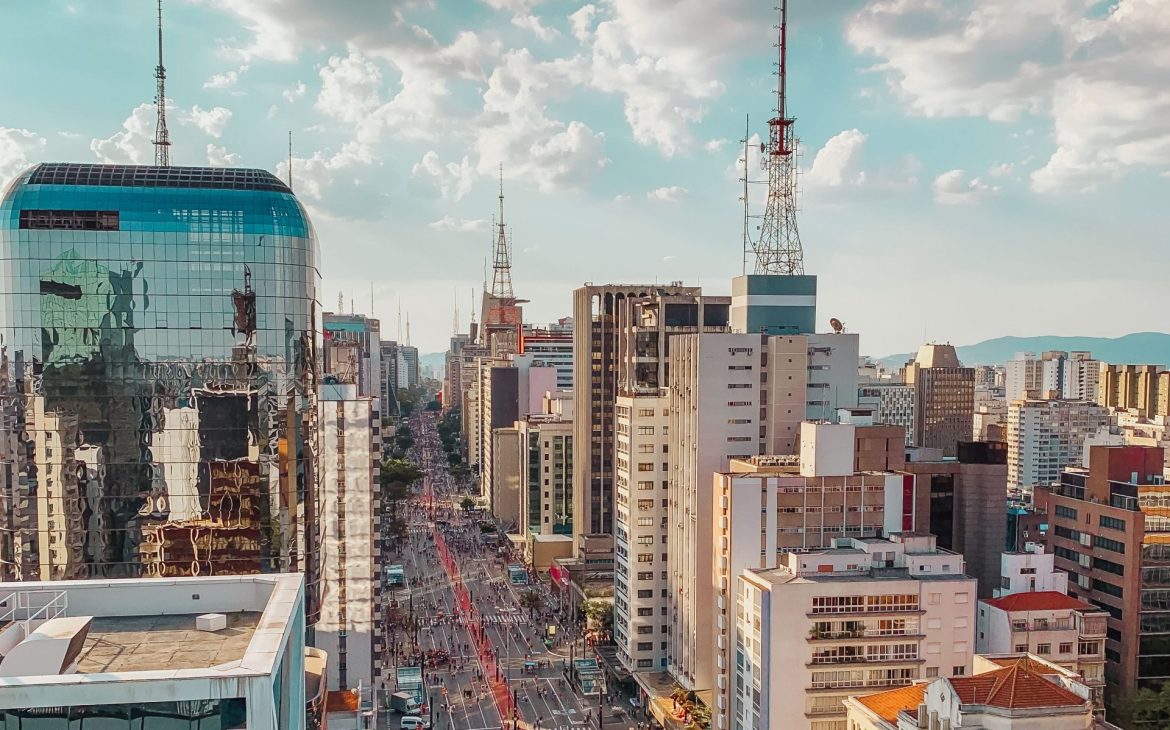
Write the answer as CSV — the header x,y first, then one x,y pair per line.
x,y
867,613
1053,374
1032,612
350,625
223,651
769,506
1046,436
641,441
892,405
1082,376
734,396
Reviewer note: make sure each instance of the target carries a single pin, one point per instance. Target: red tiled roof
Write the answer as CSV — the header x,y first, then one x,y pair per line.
x,y
1038,601
1022,660
1013,688
888,704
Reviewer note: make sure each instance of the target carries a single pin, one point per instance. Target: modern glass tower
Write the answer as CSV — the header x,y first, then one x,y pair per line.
x,y
158,368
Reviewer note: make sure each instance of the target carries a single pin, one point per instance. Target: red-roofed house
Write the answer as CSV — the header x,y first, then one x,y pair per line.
x,y
1012,697
1059,628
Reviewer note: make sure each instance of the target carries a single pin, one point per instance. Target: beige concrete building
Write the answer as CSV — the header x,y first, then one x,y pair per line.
x,y
1143,388
944,397
1044,437
866,613
767,506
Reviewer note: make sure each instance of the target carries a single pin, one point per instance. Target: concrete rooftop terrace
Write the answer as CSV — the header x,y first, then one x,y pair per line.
x,y
155,643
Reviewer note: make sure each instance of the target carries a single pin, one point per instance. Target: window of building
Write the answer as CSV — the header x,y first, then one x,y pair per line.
x,y
1112,523
1065,512
646,466
645,557
645,611
70,220
958,671
1065,647
1044,649
1021,648
645,430
931,672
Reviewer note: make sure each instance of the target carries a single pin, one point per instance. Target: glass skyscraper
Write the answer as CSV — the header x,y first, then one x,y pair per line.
x,y
159,331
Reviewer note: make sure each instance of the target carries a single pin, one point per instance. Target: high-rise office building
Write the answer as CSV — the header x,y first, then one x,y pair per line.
x,y
452,373
351,351
160,357
595,337
388,359
944,397
1052,374
863,613
1109,533
967,502
553,346
408,371
892,405
734,396
1044,437
546,470
647,326
351,628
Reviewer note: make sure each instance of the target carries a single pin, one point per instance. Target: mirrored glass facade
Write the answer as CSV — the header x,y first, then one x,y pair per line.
x,y
158,369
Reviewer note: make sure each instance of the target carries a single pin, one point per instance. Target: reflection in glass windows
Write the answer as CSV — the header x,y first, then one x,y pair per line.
x,y
158,339
190,715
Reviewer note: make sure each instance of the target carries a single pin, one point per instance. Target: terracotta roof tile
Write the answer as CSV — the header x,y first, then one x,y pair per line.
x,y
1039,601
888,704
1014,688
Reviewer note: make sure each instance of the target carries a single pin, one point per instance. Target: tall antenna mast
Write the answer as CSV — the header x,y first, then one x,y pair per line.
x,y
400,321
455,316
473,305
408,329
502,266
747,240
162,138
341,302
778,250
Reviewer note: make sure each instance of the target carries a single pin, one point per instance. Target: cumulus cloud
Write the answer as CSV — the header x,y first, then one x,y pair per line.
x,y
209,121
836,162
218,156
294,92
225,80
1098,76
671,194
452,180
132,145
621,198
581,22
539,29
19,148
715,145
459,225
349,87
313,175
954,188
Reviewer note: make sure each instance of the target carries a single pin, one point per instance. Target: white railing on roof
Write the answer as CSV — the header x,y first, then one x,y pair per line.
x,y
26,606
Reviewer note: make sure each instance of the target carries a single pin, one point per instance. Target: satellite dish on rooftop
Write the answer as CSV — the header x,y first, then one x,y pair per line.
x,y
837,325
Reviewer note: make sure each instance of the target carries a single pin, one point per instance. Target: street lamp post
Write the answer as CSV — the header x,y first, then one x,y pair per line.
x,y
600,704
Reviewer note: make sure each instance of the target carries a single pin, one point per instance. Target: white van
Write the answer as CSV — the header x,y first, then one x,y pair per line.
x,y
415,723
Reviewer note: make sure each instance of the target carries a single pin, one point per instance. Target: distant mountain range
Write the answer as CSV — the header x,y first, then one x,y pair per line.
x,y
433,360
1139,348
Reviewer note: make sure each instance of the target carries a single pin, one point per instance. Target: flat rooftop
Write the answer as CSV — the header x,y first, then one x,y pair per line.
x,y
156,643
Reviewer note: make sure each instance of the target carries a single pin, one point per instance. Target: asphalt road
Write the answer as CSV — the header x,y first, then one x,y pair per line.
x,y
545,699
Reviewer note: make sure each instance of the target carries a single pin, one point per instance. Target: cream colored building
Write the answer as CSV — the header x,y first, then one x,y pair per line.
x,y
1045,437
867,613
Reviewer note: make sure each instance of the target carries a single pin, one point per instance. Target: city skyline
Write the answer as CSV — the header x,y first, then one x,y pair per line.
x,y
618,125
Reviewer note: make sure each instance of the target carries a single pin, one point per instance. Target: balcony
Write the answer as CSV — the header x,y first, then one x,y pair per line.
x,y
853,634
865,659
859,684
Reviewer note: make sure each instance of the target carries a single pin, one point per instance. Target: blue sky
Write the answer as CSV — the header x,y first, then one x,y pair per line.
x,y
969,169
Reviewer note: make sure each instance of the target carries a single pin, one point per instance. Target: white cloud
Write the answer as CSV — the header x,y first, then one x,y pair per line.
x,y
19,148
218,156
459,225
621,198
349,87
452,180
581,21
671,194
835,164
715,145
313,175
225,80
294,92
132,145
209,121
534,24
1001,169
1096,70
953,188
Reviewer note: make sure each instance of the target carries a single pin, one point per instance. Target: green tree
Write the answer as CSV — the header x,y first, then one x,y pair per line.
x,y
434,405
395,476
599,614
467,503
530,599
1143,708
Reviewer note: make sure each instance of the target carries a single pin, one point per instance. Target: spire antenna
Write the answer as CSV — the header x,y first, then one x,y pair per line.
x,y
778,249
162,138
502,265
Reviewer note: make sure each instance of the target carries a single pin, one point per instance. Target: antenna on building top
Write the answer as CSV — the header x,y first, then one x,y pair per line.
x,y
473,305
162,138
407,341
502,265
747,240
400,319
455,316
371,300
778,249
341,302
